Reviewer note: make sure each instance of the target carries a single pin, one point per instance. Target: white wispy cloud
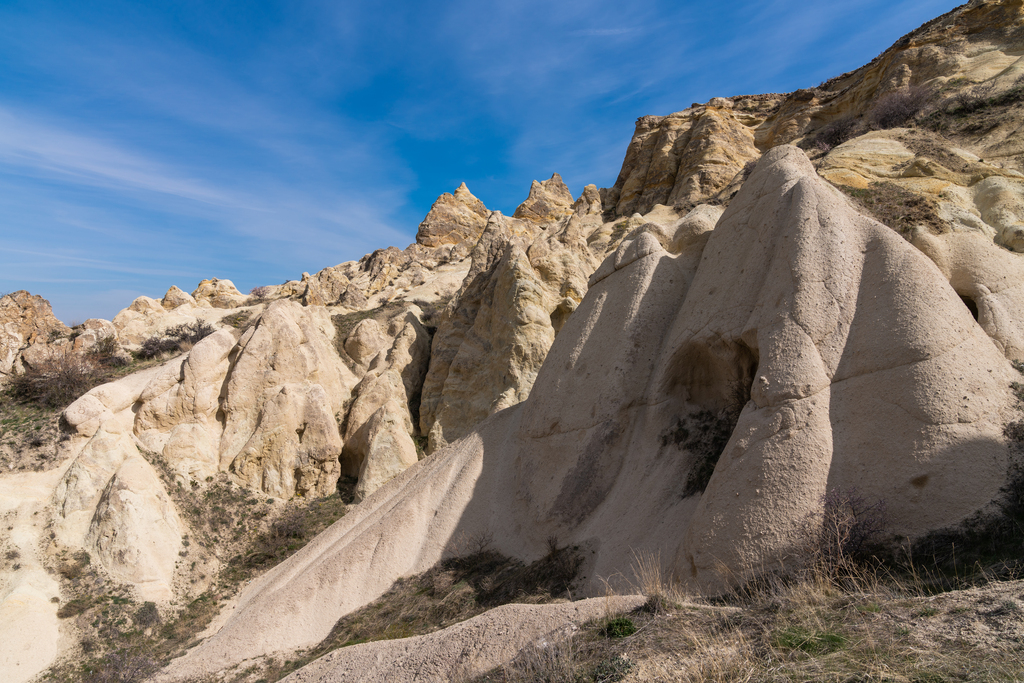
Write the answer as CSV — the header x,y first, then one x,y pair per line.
x,y
50,151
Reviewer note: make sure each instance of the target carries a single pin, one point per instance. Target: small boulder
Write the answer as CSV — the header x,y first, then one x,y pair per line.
x,y
176,297
217,293
365,341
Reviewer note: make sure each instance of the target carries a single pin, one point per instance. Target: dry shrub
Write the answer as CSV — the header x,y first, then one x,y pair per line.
x,y
176,339
847,531
557,662
122,667
835,133
57,381
147,615
900,209
899,107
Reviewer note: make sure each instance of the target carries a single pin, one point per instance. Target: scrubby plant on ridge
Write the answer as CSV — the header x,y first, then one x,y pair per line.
x,y
56,381
835,133
899,107
175,339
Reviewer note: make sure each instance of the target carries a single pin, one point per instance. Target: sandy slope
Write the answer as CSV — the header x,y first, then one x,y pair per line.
x,y
29,629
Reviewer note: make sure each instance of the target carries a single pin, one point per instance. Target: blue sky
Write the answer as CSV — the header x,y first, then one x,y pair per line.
x,y
150,144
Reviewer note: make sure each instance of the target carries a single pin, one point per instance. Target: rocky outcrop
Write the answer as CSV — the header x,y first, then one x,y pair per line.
x,y
92,332
684,158
263,406
25,319
147,317
454,219
379,433
794,330
495,334
218,294
176,297
988,279
548,201
135,531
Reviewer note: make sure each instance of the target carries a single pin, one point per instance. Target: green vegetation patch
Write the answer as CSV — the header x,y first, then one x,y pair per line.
x,y
809,641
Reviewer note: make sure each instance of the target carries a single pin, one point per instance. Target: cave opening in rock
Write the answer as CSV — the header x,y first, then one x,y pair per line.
x,y
971,306
717,380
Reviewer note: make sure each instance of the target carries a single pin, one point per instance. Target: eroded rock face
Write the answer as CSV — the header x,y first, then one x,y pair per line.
x,y
495,334
25,319
365,341
834,323
379,433
549,200
684,158
989,280
264,406
453,219
176,297
135,531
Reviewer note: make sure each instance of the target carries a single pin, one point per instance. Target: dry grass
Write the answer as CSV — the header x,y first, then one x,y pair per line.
x,y
900,209
860,626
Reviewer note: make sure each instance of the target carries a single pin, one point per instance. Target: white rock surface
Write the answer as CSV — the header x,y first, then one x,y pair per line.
x,y
135,531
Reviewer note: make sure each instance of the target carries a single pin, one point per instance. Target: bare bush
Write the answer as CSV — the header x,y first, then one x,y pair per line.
x,y
123,667
57,381
845,531
546,661
835,133
191,333
899,107
157,346
174,339
147,615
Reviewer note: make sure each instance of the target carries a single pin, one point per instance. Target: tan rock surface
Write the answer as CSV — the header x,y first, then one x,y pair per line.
x,y
25,319
30,634
264,406
549,200
682,159
147,317
495,334
176,297
379,427
218,294
453,219
365,341
990,280
135,531
92,332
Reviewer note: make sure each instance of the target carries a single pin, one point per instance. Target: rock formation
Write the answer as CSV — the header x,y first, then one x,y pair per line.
x,y
683,363
799,329
218,294
25,320
453,219
548,200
